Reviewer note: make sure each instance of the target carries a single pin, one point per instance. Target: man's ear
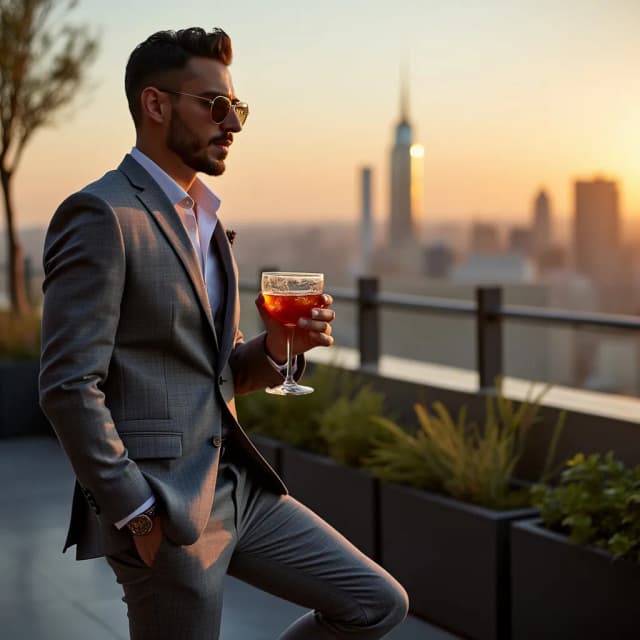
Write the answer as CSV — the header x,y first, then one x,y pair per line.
x,y
155,105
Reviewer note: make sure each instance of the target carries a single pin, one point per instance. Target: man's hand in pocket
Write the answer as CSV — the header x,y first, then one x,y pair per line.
x,y
147,546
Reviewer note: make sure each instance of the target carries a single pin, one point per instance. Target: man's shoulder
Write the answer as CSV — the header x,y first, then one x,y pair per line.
x,y
110,187
113,190
118,194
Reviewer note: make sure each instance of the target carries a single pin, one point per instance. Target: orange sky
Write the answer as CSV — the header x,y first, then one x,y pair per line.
x,y
505,99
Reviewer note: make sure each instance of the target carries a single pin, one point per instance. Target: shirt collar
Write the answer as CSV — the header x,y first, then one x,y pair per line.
x,y
206,200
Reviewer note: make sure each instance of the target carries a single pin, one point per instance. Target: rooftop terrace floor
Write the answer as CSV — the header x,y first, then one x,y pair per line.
x,y
45,595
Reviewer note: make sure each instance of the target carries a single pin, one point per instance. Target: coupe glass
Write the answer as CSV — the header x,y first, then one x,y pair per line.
x,y
287,297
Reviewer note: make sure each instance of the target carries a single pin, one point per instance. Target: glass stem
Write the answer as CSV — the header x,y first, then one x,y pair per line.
x,y
288,381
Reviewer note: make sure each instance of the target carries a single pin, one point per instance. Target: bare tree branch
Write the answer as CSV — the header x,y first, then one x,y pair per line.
x,y
43,63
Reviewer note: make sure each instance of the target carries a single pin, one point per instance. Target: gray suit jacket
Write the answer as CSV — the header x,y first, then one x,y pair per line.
x,y
134,379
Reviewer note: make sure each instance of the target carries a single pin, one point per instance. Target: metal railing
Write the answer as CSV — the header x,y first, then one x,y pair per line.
x,y
488,310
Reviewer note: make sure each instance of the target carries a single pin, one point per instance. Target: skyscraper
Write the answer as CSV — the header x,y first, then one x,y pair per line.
x,y
596,231
406,182
541,230
366,221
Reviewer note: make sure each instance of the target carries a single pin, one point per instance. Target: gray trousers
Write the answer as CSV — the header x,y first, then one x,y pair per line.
x,y
274,543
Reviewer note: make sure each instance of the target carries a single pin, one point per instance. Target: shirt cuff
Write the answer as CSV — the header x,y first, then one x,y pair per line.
x,y
147,504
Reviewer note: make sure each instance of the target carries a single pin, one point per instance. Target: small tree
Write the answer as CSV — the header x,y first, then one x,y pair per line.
x,y
42,64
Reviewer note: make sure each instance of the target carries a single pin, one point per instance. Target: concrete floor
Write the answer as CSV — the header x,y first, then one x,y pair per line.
x,y
45,595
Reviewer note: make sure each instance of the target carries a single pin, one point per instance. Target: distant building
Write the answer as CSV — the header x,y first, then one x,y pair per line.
x,y
438,261
553,259
407,168
541,229
485,238
366,221
520,241
596,231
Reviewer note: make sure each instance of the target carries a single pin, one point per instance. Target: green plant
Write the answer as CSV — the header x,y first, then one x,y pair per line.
x,y
296,420
19,336
460,459
334,420
348,428
596,503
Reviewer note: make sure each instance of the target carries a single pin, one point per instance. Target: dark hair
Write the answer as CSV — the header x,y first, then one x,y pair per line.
x,y
168,51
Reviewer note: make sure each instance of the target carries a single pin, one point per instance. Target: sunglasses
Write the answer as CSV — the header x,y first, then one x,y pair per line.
x,y
220,106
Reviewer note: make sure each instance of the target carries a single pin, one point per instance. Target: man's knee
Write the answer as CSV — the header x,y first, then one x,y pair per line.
x,y
394,604
385,606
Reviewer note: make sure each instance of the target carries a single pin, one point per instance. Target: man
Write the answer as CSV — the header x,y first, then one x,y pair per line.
x,y
140,362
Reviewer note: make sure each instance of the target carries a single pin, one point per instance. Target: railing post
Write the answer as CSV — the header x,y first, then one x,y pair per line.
x,y
489,336
368,323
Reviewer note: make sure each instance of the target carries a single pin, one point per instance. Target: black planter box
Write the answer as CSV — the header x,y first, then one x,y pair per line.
x,y
561,590
345,497
20,413
452,557
269,449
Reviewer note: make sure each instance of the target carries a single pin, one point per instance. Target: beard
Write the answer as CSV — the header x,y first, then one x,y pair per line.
x,y
186,145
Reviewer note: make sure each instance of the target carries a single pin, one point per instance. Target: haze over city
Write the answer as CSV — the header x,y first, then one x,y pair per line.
x,y
505,99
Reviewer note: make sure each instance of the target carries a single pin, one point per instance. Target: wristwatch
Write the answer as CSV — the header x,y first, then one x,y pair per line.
x,y
142,524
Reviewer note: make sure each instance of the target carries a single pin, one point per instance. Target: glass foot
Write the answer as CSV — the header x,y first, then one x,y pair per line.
x,y
289,390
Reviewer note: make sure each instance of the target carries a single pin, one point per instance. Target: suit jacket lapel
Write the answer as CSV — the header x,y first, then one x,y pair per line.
x,y
231,302
158,205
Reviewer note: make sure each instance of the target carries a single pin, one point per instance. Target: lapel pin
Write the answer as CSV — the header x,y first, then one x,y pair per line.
x,y
231,236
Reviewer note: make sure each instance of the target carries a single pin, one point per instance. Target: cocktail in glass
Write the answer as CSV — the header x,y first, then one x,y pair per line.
x,y
289,296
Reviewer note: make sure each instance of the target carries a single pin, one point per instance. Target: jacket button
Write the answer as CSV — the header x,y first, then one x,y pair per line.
x,y
216,441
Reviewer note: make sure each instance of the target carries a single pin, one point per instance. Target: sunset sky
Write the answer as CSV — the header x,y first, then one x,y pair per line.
x,y
506,97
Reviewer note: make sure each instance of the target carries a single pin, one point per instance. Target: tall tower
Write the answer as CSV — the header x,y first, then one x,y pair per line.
x,y
406,180
596,231
366,221
541,231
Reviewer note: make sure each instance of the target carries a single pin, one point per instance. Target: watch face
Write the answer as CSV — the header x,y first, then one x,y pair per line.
x,y
140,525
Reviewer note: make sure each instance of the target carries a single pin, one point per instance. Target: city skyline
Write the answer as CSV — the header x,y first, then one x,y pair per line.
x,y
506,100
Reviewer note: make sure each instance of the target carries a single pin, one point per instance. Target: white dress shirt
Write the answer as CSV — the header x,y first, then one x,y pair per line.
x,y
198,210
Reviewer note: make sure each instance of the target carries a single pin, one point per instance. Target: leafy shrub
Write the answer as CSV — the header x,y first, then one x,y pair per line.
x,y
348,428
334,420
460,459
19,336
596,503
296,420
